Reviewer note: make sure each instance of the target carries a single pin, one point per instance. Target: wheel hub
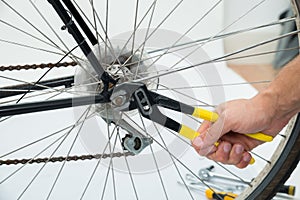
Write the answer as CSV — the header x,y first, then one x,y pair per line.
x,y
121,64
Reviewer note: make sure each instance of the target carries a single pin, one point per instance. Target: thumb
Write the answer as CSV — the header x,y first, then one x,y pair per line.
x,y
212,135
204,126
204,144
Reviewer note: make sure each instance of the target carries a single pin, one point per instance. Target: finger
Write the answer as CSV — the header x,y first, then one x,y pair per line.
x,y
245,160
198,141
236,154
204,126
197,144
223,152
213,133
207,151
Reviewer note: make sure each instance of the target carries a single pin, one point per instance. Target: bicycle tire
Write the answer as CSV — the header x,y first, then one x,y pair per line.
x,y
268,184
290,156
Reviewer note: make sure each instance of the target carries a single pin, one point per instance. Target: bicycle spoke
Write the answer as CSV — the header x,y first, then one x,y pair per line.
x,y
173,156
31,24
175,165
229,58
156,28
106,40
217,85
46,148
144,44
224,35
98,162
96,28
26,33
41,139
151,7
69,152
111,151
154,159
134,25
52,29
94,171
52,154
106,28
188,96
30,47
218,58
47,73
184,34
110,168
224,29
212,37
195,43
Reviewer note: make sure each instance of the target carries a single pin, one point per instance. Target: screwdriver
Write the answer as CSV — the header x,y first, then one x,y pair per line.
x,y
287,189
211,193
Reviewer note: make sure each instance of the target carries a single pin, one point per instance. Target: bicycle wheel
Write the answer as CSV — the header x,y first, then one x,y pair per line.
x,y
63,139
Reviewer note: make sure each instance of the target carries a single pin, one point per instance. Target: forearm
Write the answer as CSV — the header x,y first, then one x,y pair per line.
x,y
283,94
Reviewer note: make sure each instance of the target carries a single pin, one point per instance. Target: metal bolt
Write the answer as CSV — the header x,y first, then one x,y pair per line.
x,y
119,100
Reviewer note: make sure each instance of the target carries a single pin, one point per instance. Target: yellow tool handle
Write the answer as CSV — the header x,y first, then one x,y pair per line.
x,y
191,134
209,193
213,117
205,114
287,189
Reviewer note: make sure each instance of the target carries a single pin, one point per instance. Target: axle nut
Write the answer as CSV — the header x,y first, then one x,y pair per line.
x,y
119,100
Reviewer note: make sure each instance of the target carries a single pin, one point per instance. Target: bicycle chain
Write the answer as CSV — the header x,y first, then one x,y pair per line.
x,y
37,66
62,158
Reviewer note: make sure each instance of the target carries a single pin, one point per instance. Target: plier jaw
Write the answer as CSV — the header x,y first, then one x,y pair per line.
x,y
121,97
137,96
131,96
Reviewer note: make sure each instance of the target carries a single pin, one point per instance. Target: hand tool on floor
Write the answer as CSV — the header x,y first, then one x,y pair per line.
x,y
232,187
234,184
211,193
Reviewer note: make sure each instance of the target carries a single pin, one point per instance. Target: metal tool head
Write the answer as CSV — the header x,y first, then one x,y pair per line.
x,y
204,173
122,95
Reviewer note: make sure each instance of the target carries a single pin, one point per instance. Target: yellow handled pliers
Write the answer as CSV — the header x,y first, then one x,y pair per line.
x,y
213,117
130,96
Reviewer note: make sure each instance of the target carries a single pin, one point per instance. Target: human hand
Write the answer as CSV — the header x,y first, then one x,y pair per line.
x,y
236,118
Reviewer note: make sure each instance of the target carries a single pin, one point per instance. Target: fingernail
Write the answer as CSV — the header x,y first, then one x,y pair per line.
x,y
198,142
247,158
227,148
239,149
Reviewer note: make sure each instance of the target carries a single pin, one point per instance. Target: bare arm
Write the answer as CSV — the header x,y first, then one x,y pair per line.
x,y
267,112
285,90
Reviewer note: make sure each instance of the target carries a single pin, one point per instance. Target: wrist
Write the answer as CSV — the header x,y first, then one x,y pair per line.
x,y
266,103
274,105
